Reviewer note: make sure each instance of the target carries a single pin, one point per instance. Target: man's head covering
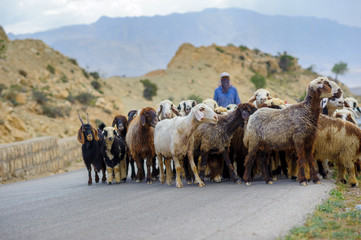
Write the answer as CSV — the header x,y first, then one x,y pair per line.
x,y
224,74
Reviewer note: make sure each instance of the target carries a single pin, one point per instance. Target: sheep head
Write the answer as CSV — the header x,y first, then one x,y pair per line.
x,y
260,96
148,117
110,133
324,88
88,131
120,122
246,109
203,113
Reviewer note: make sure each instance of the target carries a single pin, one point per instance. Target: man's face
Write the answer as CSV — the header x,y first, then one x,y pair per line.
x,y
225,83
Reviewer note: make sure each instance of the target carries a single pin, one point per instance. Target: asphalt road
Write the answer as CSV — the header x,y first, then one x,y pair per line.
x,y
65,207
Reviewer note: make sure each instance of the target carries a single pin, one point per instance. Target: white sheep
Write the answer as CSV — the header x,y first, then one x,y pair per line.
x,y
210,103
339,141
353,104
171,140
260,96
185,107
231,107
346,114
166,110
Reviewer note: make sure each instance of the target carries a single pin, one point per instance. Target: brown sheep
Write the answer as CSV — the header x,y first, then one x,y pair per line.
x,y
140,140
216,138
293,127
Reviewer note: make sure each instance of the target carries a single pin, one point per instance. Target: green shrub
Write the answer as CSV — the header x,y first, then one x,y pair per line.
x,y
243,48
220,49
85,73
2,87
197,98
258,80
54,111
40,97
50,68
95,75
85,98
150,89
302,97
96,84
286,61
73,61
23,73
2,48
64,78
256,50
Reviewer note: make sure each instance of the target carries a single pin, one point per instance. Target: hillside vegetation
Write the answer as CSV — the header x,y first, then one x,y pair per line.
x,y
41,90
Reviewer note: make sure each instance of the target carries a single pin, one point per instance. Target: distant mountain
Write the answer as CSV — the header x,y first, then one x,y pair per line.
x,y
133,46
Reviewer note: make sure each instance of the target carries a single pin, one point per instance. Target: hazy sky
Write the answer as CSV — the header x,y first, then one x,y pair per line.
x,y
26,16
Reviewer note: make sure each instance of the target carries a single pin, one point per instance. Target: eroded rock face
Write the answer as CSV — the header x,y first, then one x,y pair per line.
x,y
3,35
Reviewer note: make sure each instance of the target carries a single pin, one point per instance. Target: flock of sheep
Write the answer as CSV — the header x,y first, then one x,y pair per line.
x,y
263,136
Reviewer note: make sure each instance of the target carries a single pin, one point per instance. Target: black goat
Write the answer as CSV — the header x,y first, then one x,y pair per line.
x,y
113,151
91,140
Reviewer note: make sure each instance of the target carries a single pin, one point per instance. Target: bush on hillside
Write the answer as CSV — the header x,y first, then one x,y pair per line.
x,y
40,97
258,80
150,89
50,68
286,61
85,98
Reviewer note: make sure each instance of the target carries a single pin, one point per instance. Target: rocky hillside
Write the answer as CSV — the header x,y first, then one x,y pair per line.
x,y
41,90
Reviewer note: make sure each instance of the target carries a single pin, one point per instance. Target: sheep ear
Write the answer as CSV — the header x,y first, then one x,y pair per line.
x,y
194,103
199,115
179,107
269,97
252,99
346,104
324,103
80,136
175,111
245,114
95,133
160,109
142,120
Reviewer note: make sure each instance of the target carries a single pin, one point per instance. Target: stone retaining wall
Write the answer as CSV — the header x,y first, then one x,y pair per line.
x,y
38,155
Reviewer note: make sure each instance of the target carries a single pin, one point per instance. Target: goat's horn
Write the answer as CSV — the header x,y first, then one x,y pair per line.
x,y
87,117
80,119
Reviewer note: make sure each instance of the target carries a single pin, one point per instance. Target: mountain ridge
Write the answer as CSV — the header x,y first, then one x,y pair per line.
x,y
138,45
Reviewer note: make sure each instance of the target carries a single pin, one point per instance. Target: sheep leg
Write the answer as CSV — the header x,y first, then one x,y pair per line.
x,y
155,170
96,176
178,172
194,169
123,170
161,168
341,173
131,161
283,162
168,171
233,176
312,164
117,173
352,176
292,165
90,181
248,165
186,170
321,169
301,166
264,165
149,164
204,157
140,171
110,175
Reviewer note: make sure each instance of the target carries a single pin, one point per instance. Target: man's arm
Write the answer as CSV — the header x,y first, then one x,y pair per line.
x,y
236,97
